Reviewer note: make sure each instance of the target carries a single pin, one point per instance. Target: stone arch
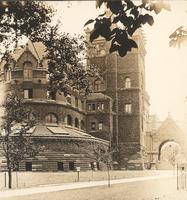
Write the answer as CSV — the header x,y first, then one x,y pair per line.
x,y
169,153
51,118
161,145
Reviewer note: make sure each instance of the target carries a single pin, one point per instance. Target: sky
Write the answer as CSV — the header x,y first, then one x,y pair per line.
x,y
166,67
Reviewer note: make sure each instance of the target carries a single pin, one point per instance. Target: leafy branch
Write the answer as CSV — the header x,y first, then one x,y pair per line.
x,y
121,21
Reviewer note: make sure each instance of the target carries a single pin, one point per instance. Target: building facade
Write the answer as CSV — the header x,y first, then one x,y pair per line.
x,y
61,121
123,81
166,143
114,114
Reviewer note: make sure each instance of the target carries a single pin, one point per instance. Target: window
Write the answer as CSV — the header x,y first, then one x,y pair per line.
x,y
68,98
92,165
98,106
51,95
71,165
93,106
51,119
127,83
8,75
27,70
93,126
69,120
60,166
76,102
102,106
89,107
82,105
100,125
28,93
76,123
82,124
98,166
28,166
96,85
128,108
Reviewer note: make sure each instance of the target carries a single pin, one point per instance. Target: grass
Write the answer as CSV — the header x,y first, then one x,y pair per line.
x,y
30,179
163,189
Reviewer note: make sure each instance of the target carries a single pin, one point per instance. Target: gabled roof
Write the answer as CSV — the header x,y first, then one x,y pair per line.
x,y
169,125
37,49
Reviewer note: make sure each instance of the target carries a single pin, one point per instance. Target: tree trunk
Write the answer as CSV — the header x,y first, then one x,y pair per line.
x,y
9,178
108,173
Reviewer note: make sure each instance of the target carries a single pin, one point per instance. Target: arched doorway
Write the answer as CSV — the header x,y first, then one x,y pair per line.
x,y
169,155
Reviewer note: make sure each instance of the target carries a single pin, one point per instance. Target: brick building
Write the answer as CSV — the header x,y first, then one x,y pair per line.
x,y
114,114
61,121
123,83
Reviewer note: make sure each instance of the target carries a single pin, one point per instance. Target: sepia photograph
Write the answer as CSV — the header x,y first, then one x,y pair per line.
x,y
93,100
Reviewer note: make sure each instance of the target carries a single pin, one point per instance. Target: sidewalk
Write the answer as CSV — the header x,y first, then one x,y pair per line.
x,y
71,186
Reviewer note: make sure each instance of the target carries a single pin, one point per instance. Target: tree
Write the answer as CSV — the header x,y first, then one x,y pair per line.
x,y
16,140
122,19
32,20
19,19
65,55
103,154
178,37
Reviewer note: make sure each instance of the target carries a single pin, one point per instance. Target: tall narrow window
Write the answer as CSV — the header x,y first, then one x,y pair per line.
x,y
82,124
71,165
76,102
68,98
28,93
89,107
69,120
82,105
128,108
76,123
100,125
27,71
102,106
96,85
8,75
93,126
127,83
93,106
98,106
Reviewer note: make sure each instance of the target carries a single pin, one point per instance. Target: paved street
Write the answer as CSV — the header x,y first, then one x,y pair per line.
x,y
140,188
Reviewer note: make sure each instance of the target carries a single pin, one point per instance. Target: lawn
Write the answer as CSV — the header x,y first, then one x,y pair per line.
x,y
164,189
29,179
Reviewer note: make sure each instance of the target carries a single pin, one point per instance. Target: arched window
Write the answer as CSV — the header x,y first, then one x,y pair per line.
x,y
127,82
82,124
97,85
51,119
69,120
7,73
76,123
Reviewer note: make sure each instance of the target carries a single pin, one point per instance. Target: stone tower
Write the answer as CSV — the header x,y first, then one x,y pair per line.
x,y
124,79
